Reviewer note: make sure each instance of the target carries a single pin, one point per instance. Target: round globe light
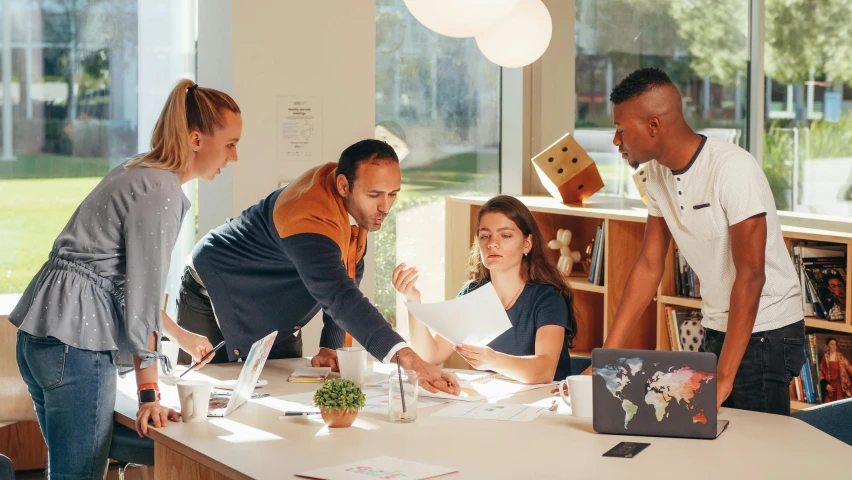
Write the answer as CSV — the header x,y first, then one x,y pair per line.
x,y
520,38
459,18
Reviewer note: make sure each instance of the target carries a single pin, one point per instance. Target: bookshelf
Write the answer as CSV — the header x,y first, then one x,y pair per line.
x,y
624,227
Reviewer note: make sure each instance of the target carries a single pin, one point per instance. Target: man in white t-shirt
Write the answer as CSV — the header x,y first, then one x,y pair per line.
x,y
712,197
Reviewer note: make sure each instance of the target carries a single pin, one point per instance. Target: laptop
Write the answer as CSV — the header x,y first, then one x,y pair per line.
x,y
655,393
223,405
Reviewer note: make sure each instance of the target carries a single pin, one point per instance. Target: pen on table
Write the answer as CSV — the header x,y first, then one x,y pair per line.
x,y
552,407
298,414
211,352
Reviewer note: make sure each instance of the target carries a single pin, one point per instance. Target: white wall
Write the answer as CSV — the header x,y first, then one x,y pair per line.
x,y
318,48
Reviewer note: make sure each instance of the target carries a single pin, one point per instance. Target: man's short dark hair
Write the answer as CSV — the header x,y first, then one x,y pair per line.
x,y
639,82
369,150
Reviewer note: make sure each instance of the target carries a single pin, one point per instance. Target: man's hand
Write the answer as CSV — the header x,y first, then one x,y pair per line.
x,y
156,413
723,391
326,358
430,377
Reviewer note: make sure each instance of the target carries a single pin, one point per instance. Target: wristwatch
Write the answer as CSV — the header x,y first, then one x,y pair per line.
x,y
148,392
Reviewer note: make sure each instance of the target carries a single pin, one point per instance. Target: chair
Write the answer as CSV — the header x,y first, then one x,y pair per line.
x,y
23,443
129,448
833,418
7,470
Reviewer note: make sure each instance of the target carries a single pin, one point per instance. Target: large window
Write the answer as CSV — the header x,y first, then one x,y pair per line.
x,y
438,103
701,44
87,81
808,115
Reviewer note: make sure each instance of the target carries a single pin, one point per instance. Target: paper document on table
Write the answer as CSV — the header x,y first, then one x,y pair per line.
x,y
493,385
379,467
512,413
475,319
467,394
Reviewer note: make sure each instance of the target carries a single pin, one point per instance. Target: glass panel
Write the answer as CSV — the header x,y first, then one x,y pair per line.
x,y
77,109
808,117
438,103
701,44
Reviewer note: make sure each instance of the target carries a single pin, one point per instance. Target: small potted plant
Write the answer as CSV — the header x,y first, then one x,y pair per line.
x,y
339,400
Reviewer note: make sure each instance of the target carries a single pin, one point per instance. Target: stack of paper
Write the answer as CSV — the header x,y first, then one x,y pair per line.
x,y
310,374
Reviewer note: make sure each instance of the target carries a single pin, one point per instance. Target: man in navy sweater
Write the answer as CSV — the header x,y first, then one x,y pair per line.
x,y
299,250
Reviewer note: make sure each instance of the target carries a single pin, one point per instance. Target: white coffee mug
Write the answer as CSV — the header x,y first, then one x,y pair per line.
x,y
353,363
579,394
170,350
194,400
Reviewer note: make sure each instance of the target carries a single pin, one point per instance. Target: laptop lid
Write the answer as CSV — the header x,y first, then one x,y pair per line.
x,y
252,366
654,393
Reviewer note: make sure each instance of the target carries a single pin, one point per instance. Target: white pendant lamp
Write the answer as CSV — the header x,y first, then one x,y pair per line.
x,y
459,18
519,38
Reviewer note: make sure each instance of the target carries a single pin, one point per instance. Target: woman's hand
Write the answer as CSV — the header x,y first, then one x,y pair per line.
x,y
829,388
480,358
156,413
403,281
195,345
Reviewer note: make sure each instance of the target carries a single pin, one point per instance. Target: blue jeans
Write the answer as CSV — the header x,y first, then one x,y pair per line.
x,y
771,360
74,395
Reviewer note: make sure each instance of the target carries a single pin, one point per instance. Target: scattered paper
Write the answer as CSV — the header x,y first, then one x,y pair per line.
x,y
474,319
468,394
230,384
379,467
512,413
380,404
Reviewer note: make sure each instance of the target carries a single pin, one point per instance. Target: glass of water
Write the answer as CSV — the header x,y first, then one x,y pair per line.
x,y
402,391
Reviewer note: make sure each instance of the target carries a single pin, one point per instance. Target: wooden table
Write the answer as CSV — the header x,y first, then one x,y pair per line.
x,y
252,443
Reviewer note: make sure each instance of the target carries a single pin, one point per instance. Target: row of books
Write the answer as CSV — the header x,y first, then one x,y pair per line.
x,y
685,330
686,281
597,264
826,374
822,274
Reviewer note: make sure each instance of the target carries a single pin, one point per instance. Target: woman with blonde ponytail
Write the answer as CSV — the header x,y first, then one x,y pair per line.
x,y
95,305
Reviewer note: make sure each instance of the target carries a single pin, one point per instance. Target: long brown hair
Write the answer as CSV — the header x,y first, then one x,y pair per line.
x,y
536,266
189,107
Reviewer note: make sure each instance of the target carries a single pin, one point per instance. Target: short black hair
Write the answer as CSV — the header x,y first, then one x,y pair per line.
x,y
369,150
639,82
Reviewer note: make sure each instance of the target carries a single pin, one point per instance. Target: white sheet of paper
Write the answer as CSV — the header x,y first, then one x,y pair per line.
x,y
379,467
380,404
475,319
512,413
467,394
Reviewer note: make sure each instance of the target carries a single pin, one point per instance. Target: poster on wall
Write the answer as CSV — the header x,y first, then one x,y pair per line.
x,y
300,129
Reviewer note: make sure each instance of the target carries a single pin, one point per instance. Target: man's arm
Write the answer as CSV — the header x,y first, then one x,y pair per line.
x,y
642,282
748,249
317,260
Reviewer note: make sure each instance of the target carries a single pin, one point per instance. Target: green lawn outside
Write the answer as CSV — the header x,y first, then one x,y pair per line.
x,y
34,211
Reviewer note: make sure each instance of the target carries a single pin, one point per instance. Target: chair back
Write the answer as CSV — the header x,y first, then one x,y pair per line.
x,y
15,402
834,418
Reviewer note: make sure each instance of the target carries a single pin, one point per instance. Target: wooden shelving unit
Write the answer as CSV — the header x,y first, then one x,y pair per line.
x,y
624,228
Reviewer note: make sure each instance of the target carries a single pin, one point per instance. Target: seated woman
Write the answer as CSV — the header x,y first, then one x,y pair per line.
x,y
509,252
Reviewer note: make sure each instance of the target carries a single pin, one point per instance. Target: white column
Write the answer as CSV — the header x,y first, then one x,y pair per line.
x,y
7,83
167,32
28,56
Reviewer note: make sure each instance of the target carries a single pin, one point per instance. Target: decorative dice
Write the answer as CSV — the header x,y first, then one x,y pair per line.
x,y
567,171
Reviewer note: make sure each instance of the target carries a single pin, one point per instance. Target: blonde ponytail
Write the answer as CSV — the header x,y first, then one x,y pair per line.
x,y
189,107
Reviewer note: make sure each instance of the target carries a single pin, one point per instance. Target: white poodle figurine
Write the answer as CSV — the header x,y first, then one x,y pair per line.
x,y
567,258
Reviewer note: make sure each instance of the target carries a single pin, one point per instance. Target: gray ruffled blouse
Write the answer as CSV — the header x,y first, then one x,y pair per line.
x,y
102,285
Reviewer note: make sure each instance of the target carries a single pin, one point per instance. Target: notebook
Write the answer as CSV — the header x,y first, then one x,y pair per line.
x,y
223,405
655,393
309,374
